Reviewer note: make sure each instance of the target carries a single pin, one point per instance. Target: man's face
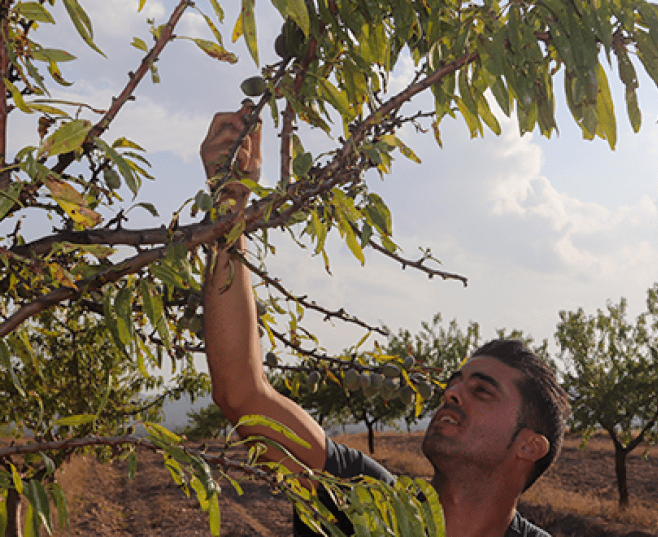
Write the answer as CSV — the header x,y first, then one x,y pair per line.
x,y
477,420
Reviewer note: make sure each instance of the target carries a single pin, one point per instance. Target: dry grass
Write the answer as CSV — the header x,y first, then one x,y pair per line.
x,y
589,504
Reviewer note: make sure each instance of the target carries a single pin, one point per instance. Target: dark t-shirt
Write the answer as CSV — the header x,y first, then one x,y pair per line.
x,y
346,462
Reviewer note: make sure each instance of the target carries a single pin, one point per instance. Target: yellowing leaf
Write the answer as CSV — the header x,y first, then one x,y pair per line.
x,y
237,30
216,51
69,137
69,199
17,97
62,276
394,141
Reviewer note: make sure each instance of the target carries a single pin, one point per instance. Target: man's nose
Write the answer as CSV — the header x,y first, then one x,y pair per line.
x,y
453,395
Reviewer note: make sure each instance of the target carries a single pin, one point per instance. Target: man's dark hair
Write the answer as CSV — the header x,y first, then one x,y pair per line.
x,y
544,403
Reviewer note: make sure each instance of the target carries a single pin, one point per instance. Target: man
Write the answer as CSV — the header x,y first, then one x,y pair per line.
x,y
500,426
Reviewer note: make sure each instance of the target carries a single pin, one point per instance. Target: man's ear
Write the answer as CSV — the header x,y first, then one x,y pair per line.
x,y
532,446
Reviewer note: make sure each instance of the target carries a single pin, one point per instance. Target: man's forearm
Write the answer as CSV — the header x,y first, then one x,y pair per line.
x,y
231,330
230,319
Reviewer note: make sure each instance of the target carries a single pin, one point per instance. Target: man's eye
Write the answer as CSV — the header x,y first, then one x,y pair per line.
x,y
482,390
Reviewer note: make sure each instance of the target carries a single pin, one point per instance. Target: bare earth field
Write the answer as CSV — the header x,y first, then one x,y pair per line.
x,y
571,501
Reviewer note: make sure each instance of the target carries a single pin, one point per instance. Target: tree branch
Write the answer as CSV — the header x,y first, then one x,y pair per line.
x,y
135,78
342,169
5,175
418,265
338,314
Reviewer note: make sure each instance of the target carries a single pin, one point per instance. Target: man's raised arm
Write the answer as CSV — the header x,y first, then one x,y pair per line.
x,y
233,348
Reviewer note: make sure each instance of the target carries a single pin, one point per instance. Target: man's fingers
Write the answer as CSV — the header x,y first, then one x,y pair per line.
x,y
222,120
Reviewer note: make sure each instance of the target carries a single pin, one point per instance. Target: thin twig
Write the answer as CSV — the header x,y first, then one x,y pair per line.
x,y
338,314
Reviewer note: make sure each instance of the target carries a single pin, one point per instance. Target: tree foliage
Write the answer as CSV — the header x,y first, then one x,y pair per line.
x,y
612,376
334,74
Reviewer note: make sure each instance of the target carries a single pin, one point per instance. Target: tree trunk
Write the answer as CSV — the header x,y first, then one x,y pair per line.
x,y
620,470
13,514
5,176
371,434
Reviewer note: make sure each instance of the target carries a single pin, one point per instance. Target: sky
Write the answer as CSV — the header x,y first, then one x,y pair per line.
x,y
537,225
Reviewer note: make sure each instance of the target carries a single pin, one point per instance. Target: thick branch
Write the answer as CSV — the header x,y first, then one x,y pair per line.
x,y
5,176
135,78
341,170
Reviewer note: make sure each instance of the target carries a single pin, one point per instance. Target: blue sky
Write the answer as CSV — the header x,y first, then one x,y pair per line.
x,y
537,225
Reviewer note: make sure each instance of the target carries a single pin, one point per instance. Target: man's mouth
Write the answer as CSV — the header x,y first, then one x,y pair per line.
x,y
448,419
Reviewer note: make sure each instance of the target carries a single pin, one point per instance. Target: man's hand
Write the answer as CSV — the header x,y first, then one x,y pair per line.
x,y
224,130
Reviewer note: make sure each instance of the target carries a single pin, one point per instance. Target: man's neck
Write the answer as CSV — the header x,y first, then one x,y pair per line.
x,y
475,507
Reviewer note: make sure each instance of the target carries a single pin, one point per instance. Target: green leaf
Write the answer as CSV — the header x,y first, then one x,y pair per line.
x,y
106,395
53,55
31,527
139,44
148,206
296,10
158,431
432,510
34,11
124,167
59,499
10,198
123,310
235,232
49,463
633,109
218,10
82,23
335,97
36,494
214,515
248,27
3,515
132,464
253,420
78,419
302,164
68,137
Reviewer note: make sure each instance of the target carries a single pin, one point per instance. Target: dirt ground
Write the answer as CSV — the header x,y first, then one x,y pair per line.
x,y
104,503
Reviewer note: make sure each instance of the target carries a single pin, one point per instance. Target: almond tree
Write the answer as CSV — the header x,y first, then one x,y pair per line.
x,y
612,377
336,60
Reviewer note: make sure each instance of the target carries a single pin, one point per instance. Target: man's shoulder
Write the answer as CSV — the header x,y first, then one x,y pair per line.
x,y
520,527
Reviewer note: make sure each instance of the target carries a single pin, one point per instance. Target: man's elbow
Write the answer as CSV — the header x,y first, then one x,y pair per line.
x,y
236,403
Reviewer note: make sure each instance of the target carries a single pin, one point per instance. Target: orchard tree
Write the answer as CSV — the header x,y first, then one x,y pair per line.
x,y
337,57
71,378
369,387
612,377
207,422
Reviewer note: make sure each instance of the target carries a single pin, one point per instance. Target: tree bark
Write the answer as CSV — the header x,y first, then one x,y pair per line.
x,y
13,514
620,470
5,176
